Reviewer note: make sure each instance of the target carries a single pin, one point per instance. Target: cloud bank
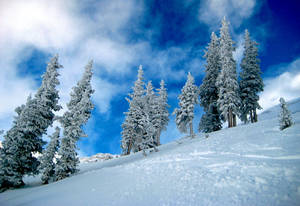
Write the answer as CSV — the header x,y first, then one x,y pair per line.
x,y
286,85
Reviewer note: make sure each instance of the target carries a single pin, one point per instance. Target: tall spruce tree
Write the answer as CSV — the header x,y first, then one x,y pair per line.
x,y
162,112
137,125
78,113
228,97
47,165
25,136
208,90
187,100
285,118
251,82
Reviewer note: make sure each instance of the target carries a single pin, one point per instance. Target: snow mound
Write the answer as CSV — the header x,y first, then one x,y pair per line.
x,y
100,157
253,164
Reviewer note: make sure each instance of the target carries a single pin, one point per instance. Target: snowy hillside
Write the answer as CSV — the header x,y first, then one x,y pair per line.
x,y
255,164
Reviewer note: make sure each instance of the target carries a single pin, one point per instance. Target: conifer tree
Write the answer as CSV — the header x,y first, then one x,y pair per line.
x,y
137,125
78,113
163,113
208,90
251,82
152,103
228,97
47,165
187,100
25,136
285,118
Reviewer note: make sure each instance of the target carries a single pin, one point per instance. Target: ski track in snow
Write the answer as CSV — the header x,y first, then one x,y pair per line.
x,y
253,164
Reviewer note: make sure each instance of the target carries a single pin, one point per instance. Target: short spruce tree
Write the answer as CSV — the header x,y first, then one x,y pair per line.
x,y
187,100
47,165
285,118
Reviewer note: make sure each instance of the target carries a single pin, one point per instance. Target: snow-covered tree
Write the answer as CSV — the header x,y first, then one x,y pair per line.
x,y
162,112
210,121
138,130
208,90
9,174
251,82
131,127
78,113
229,100
187,100
47,165
285,118
25,136
152,103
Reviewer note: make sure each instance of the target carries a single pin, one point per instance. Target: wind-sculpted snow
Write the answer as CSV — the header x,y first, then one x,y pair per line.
x,y
254,164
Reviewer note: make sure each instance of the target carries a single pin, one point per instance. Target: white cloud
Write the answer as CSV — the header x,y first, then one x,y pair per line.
x,y
286,85
43,24
212,11
104,92
62,27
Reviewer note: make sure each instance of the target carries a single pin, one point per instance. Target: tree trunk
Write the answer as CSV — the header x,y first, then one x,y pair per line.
x,y
255,115
191,129
251,116
229,118
128,148
158,137
234,120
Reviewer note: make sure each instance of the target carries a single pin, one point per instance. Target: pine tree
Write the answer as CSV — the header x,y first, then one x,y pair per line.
x,y
229,100
285,118
208,90
152,103
78,113
9,174
187,100
47,165
251,82
133,115
137,126
210,121
25,136
162,112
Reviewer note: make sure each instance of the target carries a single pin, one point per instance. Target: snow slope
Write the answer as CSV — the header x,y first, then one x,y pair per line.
x,y
253,164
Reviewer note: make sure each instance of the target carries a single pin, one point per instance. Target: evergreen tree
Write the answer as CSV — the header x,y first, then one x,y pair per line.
x,y
9,174
251,82
25,136
162,112
78,113
285,118
138,130
210,121
47,165
152,103
208,90
229,100
187,100
132,123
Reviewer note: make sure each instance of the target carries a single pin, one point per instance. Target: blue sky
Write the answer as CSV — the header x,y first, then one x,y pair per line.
x,y
167,37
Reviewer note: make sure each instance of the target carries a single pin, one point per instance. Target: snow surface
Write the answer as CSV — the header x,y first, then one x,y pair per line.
x,y
254,164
